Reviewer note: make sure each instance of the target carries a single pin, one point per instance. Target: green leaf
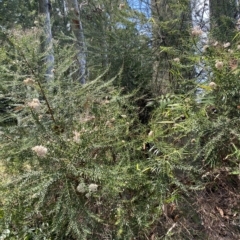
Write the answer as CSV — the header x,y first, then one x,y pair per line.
x,y
162,122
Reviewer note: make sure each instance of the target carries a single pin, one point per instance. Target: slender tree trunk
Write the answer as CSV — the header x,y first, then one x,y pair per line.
x,y
170,23
104,48
47,44
74,11
160,67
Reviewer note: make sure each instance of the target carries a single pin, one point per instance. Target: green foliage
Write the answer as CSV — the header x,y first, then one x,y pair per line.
x,y
115,41
223,17
171,39
107,160
194,135
18,12
92,135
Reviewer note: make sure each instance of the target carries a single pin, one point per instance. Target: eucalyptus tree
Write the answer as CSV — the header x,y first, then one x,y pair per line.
x,y
47,40
170,23
74,9
114,42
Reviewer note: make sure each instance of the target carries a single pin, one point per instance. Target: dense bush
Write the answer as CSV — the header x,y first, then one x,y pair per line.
x,y
109,159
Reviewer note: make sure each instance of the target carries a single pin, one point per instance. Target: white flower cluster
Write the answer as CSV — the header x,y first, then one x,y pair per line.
x,y
92,187
34,104
219,65
121,6
82,188
150,134
212,85
40,150
226,45
205,48
177,60
76,137
28,81
196,31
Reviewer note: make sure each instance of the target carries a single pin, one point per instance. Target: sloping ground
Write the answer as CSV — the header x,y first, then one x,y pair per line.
x,y
219,205
209,214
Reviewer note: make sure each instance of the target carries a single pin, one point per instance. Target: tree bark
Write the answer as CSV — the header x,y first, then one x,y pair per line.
x,y
47,41
170,23
76,24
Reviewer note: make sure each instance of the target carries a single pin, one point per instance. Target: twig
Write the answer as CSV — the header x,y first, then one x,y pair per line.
x,y
39,84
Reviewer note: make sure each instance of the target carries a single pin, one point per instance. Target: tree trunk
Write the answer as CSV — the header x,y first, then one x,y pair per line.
x,y
47,44
170,23
74,11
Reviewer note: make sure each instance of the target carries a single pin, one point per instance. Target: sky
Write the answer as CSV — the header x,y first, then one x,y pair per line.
x,y
141,5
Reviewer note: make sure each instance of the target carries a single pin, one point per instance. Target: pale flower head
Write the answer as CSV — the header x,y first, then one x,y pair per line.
x,y
88,195
219,65
81,188
196,31
233,63
226,45
109,124
177,60
34,104
238,47
92,187
29,81
121,6
193,140
150,133
27,167
76,137
212,85
205,47
40,150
